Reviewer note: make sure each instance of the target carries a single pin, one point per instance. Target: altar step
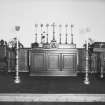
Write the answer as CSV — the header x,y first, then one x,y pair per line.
x,y
54,73
16,97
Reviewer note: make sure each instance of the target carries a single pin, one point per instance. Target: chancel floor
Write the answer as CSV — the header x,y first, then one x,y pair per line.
x,y
51,85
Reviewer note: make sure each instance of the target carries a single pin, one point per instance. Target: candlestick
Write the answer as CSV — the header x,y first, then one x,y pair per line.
x,y
47,25
17,77
71,34
36,25
53,25
60,26
86,81
41,32
66,33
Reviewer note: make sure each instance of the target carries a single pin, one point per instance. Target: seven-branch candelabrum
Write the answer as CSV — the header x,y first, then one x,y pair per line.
x,y
41,32
53,25
17,77
47,25
72,34
60,26
36,25
66,33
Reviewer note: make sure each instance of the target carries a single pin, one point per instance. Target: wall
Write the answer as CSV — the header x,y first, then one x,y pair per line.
x,y
26,13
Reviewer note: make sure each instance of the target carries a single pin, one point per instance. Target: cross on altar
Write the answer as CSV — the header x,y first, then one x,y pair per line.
x,y
53,25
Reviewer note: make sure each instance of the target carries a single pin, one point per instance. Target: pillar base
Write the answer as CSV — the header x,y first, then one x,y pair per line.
x,y
17,79
102,76
86,81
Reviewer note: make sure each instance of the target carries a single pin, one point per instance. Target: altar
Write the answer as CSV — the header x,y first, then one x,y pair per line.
x,y
53,62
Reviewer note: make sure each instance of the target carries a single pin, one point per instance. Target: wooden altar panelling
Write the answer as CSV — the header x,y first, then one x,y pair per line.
x,y
11,60
23,60
99,59
3,58
68,62
53,62
37,62
82,60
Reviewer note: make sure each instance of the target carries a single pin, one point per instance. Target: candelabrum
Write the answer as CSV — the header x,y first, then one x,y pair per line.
x,y
41,32
86,81
17,77
47,25
60,26
72,34
36,25
66,33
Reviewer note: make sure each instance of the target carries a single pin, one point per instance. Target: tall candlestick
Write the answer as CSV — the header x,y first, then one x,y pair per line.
x,y
60,26
47,25
17,78
86,81
66,33
71,34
